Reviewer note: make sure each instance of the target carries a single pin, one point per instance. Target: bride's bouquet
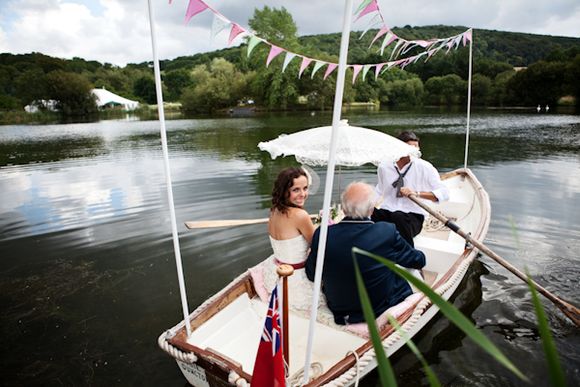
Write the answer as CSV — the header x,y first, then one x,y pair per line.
x,y
336,215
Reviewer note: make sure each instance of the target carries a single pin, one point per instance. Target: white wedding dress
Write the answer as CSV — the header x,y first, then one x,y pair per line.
x,y
292,251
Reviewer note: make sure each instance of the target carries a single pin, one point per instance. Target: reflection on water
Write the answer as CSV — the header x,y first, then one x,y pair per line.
x,y
87,274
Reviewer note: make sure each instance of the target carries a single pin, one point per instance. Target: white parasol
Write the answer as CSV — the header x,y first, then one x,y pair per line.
x,y
356,146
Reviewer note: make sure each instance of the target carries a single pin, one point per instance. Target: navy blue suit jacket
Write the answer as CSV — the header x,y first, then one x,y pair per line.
x,y
384,287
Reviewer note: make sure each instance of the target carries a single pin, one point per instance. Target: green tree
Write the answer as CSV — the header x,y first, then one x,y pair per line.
x,y
31,85
271,87
144,88
490,68
407,92
72,91
500,93
175,81
218,87
573,79
446,90
481,89
276,26
541,83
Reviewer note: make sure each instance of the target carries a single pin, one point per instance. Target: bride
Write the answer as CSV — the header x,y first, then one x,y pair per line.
x,y
290,229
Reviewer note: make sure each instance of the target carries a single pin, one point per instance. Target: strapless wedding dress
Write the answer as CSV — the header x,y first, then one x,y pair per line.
x,y
292,251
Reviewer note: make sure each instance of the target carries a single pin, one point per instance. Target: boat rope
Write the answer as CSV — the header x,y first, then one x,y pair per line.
x,y
357,367
186,357
348,376
316,369
237,380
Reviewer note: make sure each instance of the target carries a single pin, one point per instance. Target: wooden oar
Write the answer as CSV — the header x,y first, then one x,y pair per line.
x,y
572,312
227,222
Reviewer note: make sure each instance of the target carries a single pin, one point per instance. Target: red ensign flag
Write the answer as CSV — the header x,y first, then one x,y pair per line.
x,y
269,364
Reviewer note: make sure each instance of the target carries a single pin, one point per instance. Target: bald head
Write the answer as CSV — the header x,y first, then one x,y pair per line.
x,y
357,200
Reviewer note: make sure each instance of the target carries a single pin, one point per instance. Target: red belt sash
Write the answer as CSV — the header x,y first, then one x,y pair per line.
x,y
296,266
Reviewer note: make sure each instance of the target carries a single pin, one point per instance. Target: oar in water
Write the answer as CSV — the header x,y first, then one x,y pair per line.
x,y
572,312
227,222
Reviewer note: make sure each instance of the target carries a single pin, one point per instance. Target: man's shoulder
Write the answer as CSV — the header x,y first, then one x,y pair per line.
x,y
383,227
426,166
423,162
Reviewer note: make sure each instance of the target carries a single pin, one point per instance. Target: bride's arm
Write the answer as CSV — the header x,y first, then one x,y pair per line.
x,y
305,226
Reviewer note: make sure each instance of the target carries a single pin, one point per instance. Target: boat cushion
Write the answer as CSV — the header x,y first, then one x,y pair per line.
x,y
361,329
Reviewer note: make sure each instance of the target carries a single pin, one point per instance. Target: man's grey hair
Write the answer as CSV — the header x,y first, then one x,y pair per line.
x,y
358,200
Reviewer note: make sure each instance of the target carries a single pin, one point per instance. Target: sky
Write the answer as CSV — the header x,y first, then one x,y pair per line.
x,y
118,31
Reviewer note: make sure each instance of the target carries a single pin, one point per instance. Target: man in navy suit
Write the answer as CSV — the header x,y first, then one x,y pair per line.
x,y
384,287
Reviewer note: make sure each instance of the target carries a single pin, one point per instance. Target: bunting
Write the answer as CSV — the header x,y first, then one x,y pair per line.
x,y
235,31
317,65
254,40
330,69
194,7
355,70
218,25
305,62
274,52
287,60
366,7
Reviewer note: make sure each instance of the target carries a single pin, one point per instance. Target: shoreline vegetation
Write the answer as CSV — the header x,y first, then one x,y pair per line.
x,y
173,111
509,70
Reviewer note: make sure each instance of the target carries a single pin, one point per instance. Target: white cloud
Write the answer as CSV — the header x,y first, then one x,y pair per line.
x,y
117,31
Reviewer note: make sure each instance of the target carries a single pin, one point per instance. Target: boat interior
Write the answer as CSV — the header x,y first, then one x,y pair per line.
x,y
231,325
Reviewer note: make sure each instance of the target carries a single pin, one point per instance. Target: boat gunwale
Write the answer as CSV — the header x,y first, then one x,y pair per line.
x,y
469,253
243,284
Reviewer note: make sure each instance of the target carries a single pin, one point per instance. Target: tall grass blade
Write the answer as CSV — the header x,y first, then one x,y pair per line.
x,y
433,380
554,368
451,312
385,370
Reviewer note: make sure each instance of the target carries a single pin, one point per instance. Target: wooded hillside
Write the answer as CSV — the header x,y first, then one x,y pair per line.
x,y
208,81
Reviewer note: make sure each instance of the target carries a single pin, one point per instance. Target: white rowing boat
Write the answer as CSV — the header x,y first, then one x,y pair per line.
x,y
226,329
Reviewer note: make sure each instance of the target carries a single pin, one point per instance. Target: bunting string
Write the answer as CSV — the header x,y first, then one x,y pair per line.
x,y
376,20
367,7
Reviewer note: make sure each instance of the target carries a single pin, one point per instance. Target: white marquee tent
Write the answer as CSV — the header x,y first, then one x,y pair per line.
x,y
105,97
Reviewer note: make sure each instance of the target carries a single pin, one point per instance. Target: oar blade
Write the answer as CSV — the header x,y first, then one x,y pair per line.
x,y
223,223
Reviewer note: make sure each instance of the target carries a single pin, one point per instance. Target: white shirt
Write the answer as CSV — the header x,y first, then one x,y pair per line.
x,y
422,176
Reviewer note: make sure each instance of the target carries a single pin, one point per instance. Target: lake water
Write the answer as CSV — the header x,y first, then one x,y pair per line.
x,y
87,273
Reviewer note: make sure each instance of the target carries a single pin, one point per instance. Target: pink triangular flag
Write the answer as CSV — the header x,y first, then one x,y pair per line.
x,y
305,62
449,45
373,6
467,36
234,32
381,32
355,70
330,69
194,7
378,69
274,52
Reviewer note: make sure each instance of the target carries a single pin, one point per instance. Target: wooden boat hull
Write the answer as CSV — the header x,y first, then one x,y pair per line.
x,y
217,354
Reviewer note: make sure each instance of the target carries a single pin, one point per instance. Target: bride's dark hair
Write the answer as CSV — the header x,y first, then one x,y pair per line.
x,y
282,185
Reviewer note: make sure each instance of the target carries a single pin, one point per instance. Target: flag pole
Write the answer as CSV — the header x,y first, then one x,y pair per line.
x,y
168,183
329,181
468,99
285,271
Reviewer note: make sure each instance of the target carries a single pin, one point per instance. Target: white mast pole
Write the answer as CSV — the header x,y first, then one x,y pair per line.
x,y
468,99
329,181
168,173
